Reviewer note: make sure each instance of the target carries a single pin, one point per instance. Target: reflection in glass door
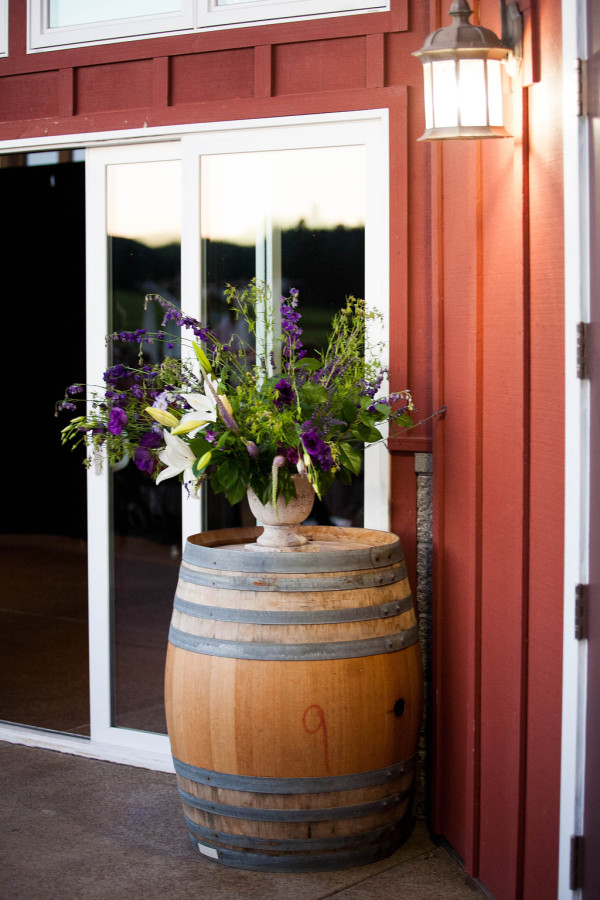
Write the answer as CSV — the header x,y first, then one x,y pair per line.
x,y
144,253
296,225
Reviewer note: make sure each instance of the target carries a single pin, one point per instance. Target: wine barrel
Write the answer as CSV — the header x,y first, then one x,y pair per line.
x,y
293,697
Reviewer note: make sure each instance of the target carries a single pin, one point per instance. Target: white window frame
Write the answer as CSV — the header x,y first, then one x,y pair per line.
x,y
252,12
369,129
3,27
40,36
195,16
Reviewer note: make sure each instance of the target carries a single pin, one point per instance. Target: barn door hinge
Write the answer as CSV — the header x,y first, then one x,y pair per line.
x,y
576,867
581,611
581,74
583,342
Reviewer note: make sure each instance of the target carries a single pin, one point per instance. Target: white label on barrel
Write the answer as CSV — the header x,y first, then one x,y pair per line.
x,y
208,851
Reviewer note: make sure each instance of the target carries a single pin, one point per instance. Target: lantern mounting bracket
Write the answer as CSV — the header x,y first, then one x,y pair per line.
x,y
512,35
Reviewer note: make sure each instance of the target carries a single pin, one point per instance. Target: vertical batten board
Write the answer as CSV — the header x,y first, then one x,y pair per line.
x,y
456,614
546,462
503,512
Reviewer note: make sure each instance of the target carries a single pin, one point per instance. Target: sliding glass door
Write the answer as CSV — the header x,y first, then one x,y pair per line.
x,y
298,203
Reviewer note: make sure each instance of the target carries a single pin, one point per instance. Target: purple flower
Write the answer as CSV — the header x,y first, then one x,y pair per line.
x,y
117,420
289,327
290,453
112,375
143,458
286,393
317,449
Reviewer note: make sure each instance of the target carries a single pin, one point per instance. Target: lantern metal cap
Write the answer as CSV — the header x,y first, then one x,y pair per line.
x,y
462,39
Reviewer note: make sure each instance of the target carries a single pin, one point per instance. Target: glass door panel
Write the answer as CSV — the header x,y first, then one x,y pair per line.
x,y
295,224
144,253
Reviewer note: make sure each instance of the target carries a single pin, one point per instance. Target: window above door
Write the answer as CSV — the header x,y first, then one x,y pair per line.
x,y
3,27
54,24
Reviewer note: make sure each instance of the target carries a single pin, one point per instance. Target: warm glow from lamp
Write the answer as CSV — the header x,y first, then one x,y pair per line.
x,y
462,74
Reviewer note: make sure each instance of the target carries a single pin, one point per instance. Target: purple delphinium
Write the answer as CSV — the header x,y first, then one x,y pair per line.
x,y
117,420
130,337
112,375
143,458
289,327
286,393
317,449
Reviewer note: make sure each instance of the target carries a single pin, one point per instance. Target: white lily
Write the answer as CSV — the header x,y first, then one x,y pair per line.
x,y
177,457
204,410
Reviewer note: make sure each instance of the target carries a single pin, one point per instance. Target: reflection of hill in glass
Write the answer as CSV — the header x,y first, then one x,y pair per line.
x,y
325,265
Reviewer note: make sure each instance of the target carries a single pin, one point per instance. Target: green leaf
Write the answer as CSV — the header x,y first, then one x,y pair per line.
x,y
343,476
311,364
228,474
366,433
350,458
237,492
366,418
199,446
313,393
349,412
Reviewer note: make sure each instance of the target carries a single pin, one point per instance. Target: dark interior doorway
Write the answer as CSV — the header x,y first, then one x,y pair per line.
x,y
43,549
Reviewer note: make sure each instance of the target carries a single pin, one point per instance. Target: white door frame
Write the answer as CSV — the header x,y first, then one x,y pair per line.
x,y
577,404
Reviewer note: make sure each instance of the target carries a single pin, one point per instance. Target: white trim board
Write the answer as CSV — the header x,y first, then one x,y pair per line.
x,y
157,758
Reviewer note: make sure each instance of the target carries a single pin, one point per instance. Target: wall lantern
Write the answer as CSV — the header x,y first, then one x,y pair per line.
x,y
463,76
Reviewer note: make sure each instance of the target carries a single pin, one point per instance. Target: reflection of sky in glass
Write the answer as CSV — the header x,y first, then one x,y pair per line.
x,y
322,187
144,202
83,12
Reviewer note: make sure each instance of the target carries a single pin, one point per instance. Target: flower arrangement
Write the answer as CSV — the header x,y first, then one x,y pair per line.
x,y
238,416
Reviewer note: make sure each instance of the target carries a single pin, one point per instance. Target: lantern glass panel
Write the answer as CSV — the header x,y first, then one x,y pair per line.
x,y
445,93
494,78
472,93
428,87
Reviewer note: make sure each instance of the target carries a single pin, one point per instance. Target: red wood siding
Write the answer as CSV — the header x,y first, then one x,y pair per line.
x,y
476,304
499,494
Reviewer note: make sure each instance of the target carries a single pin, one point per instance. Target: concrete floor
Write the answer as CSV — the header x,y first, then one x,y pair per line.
x,y
80,829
